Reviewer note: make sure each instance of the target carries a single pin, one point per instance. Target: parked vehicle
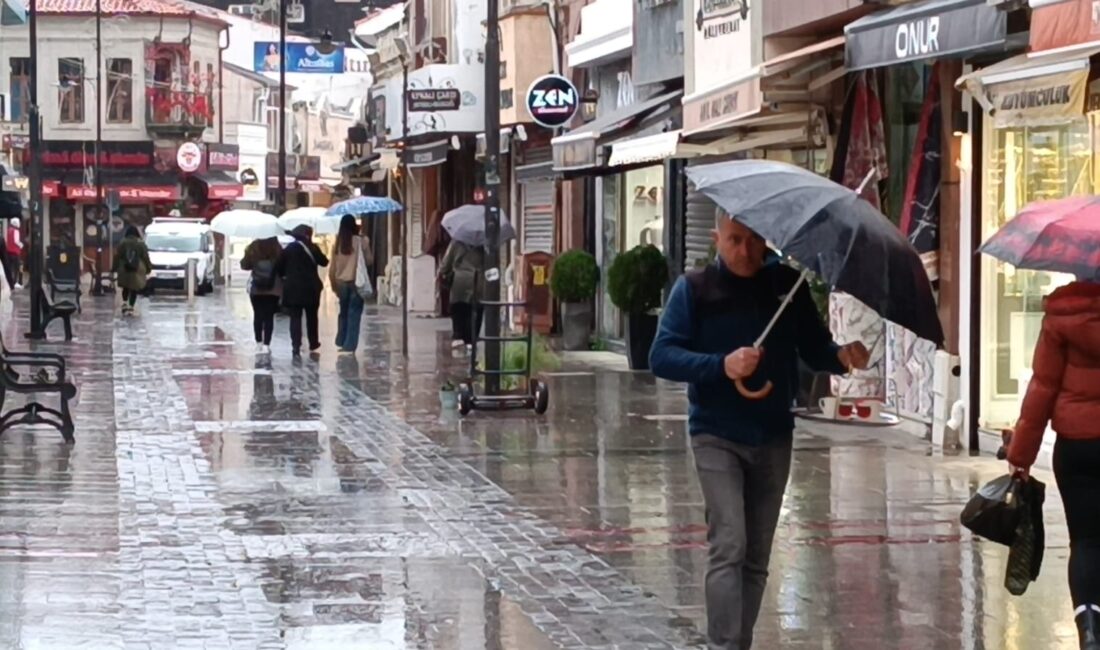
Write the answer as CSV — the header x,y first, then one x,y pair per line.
x,y
172,243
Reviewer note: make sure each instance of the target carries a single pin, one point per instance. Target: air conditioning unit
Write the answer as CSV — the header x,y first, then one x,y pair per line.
x,y
242,10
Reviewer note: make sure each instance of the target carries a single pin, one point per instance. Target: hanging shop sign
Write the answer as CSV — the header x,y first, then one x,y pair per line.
x,y
248,177
923,30
552,101
434,99
1049,99
189,157
300,57
728,104
223,157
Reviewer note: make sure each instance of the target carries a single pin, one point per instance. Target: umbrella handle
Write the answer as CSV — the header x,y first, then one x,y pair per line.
x,y
748,393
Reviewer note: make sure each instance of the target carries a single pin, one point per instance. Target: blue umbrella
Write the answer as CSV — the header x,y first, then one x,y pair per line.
x,y
360,205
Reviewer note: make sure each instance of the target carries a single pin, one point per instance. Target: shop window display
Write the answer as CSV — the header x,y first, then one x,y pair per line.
x,y
1024,165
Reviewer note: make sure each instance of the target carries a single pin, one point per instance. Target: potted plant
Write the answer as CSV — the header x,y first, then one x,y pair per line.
x,y
448,396
573,281
635,283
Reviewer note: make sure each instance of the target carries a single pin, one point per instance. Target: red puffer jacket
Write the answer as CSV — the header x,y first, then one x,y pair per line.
x,y
1065,383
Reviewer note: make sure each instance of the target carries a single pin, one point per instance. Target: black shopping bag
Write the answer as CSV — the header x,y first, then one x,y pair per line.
x,y
994,511
1025,555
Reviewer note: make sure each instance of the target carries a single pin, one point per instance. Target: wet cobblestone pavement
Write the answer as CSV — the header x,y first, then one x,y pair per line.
x,y
214,501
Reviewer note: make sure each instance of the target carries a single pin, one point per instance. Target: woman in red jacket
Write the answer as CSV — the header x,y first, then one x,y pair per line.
x,y
1065,391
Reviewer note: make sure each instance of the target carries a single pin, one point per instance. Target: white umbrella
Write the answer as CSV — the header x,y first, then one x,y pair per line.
x,y
247,224
313,217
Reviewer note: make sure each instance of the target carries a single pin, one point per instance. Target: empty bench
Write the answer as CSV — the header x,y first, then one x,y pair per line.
x,y
35,374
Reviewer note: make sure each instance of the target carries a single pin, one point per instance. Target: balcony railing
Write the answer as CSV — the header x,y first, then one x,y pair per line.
x,y
173,109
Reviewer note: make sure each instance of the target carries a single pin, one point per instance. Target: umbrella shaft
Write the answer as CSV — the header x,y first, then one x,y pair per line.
x,y
782,307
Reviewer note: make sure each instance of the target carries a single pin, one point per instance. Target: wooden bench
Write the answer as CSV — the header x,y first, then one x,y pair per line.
x,y
45,374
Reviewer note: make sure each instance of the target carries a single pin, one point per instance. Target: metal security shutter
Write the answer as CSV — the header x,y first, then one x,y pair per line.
x,y
537,205
538,217
698,226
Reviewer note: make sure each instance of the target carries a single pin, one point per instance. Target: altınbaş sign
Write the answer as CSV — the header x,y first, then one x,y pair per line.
x,y
300,57
552,101
434,99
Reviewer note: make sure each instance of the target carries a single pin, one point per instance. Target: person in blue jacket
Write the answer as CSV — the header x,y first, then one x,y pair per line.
x,y
742,446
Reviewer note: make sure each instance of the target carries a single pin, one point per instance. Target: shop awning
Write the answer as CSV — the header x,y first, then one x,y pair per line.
x,y
785,81
924,30
578,149
317,185
1033,89
543,171
356,162
221,185
131,187
650,148
427,155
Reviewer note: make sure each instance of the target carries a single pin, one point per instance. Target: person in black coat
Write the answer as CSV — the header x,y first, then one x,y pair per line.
x,y
302,286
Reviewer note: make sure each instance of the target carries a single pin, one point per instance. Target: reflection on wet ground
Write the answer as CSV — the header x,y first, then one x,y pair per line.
x,y
214,500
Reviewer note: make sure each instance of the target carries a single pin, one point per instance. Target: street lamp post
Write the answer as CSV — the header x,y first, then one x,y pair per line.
x,y
492,198
405,62
100,198
37,331
280,198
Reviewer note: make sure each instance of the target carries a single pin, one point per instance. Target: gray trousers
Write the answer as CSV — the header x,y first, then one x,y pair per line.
x,y
743,492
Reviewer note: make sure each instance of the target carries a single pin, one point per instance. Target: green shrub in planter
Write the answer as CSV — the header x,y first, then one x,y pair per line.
x,y
574,276
637,278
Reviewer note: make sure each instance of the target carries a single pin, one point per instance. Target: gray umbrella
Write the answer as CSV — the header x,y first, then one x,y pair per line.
x,y
466,224
829,230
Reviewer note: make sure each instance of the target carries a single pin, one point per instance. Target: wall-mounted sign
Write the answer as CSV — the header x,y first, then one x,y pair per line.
x,y
434,99
300,57
1038,101
724,45
77,154
17,183
552,101
223,157
16,141
189,157
248,177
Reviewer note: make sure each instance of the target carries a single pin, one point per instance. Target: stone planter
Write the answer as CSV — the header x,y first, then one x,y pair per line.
x,y
576,325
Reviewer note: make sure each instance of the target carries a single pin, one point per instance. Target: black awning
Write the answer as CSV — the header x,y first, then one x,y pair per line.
x,y
217,178
427,155
578,149
924,30
352,164
221,185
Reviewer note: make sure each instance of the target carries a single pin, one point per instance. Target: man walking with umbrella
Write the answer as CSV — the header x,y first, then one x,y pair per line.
x,y
742,444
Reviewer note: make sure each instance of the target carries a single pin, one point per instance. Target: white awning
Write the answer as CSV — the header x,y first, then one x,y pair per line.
x,y
1020,68
651,148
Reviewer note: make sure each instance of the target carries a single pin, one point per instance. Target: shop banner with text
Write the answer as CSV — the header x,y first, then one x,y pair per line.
x,y
1049,99
1064,24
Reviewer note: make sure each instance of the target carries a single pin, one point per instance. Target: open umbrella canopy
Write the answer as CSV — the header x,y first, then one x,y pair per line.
x,y
363,205
467,224
1062,236
246,224
315,218
827,229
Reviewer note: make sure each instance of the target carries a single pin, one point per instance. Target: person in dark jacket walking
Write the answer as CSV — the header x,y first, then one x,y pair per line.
x,y
298,266
264,287
1064,391
132,267
461,272
742,447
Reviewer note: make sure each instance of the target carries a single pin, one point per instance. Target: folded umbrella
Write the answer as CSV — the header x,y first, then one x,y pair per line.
x,y
466,224
1062,236
361,205
247,224
827,230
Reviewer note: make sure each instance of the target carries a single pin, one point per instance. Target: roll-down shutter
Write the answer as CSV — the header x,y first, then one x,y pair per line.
x,y
538,207
698,226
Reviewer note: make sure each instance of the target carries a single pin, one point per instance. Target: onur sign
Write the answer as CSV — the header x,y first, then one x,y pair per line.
x,y
918,38
552,101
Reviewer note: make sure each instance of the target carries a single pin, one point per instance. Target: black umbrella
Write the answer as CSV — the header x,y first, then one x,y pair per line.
x,y
828,230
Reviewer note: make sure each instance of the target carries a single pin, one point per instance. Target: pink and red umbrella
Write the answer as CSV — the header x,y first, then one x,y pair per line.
x,y
1062,236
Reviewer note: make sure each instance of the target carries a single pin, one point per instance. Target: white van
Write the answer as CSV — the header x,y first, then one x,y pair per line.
x,y
172,242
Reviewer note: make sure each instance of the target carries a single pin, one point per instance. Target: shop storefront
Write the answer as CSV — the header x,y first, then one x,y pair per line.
x,y
906,59
1039,141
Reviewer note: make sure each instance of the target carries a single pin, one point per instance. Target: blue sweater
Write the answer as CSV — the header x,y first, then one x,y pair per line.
x,y
711,313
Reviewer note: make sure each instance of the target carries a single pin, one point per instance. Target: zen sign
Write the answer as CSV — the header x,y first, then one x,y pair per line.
x,y
552,101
